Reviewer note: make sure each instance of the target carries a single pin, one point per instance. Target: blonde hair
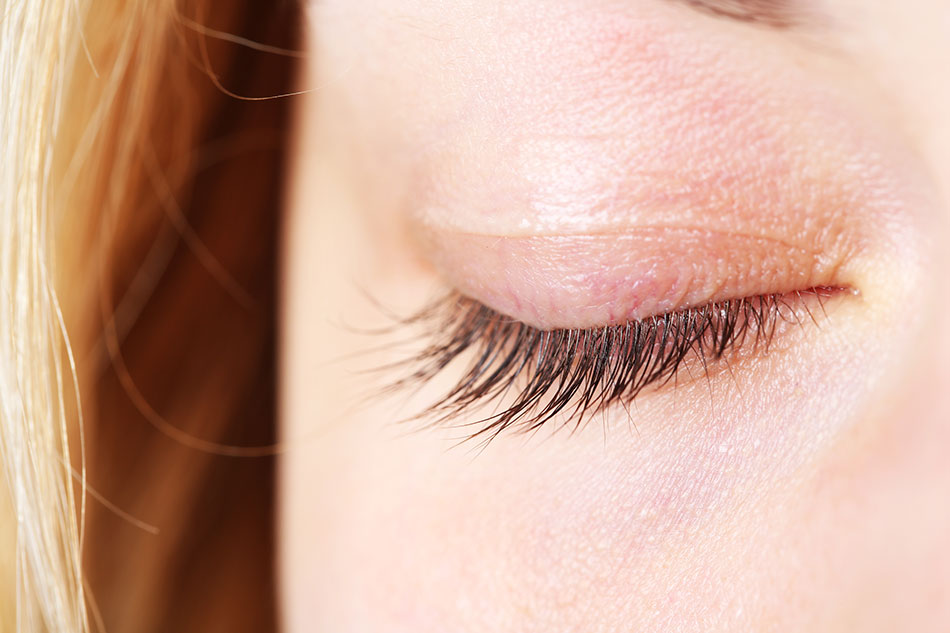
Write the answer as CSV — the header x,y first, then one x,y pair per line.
x,y
110,113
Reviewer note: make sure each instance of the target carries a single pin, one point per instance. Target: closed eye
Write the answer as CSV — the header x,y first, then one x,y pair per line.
x,y
564,376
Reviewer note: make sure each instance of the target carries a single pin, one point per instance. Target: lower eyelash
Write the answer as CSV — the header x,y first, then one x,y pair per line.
x,y
581,371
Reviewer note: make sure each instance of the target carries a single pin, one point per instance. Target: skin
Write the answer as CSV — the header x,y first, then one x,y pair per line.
x,y
579,163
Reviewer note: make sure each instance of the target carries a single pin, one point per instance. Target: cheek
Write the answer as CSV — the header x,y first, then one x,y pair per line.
x,y
732,505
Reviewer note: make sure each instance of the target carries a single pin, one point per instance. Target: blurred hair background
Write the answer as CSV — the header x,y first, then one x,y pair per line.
x,y
165,199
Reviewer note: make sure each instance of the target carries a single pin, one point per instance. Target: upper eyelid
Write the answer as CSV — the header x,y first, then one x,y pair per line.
x,y
593,279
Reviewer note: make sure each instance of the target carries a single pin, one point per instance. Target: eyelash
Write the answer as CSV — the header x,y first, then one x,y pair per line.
x,y
582,371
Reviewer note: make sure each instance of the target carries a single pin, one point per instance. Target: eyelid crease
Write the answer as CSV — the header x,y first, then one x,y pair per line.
x,y
571,374
661,230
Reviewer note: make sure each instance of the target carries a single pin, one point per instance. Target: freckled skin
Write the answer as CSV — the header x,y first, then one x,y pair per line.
x,y
579,162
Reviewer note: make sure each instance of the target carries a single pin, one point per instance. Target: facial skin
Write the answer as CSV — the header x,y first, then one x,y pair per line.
x,y
580,163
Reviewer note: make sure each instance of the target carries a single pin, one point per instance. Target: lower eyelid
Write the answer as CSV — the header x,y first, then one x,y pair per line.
x,y
569,374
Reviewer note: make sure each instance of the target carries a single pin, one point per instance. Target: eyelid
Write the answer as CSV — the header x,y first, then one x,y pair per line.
x,y
579,232
596,279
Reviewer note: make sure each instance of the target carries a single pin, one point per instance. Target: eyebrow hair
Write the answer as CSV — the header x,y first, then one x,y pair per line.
x,y
779,14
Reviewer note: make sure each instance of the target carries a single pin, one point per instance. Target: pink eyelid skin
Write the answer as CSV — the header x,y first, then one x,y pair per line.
x,y
675,175
591,280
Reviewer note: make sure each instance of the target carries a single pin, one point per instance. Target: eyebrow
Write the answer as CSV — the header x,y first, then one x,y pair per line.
x,y
778,14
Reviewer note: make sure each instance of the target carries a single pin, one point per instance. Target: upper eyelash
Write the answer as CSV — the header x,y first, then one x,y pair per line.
x,y
580,370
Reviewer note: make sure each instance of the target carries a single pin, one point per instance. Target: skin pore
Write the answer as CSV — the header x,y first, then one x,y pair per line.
x,y
577,164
